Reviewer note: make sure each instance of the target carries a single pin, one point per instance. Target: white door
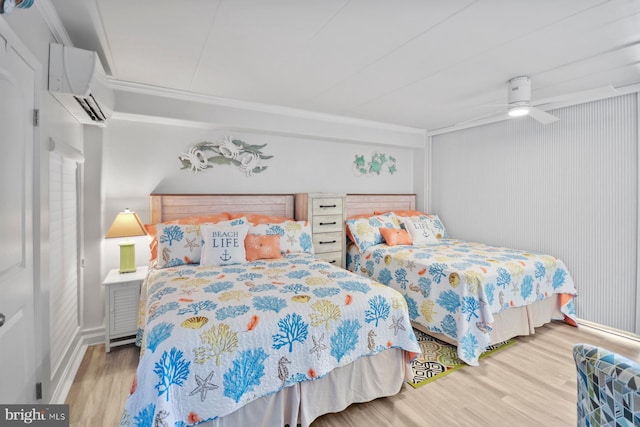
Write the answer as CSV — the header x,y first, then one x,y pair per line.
x,y
17,340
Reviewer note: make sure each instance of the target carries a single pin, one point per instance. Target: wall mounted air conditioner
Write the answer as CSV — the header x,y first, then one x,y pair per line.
x,y
78,81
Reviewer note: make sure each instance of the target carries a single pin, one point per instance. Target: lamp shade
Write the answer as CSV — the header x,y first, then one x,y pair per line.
x,y
126,224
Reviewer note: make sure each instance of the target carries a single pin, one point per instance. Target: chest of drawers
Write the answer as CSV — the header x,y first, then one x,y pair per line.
x,y
326,214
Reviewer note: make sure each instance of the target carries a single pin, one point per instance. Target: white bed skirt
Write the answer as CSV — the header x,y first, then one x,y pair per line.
x,y
361,381
515,321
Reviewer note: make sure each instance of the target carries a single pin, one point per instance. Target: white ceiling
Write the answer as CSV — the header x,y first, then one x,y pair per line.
x,y
420,63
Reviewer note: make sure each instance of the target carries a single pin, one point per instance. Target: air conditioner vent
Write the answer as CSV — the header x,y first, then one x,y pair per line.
x,y
78,81
91,107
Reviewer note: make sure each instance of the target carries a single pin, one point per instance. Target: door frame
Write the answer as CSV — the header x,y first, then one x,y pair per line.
x,y
31,60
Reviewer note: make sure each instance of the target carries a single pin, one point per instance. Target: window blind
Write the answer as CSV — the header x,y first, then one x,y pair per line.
x,y
63,257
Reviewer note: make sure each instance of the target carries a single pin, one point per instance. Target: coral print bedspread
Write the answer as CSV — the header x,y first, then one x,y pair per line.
x,y
453,287
217,338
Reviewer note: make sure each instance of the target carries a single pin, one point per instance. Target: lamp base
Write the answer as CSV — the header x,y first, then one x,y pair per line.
x,y
127,257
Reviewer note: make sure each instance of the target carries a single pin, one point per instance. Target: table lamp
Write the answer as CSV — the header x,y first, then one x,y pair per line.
x,y
126,224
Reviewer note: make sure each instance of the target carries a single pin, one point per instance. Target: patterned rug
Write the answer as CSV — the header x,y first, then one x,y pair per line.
x,y
439,359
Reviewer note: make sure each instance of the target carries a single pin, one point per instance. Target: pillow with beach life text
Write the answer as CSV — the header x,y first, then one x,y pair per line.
x,y
223,244
420,229
433,220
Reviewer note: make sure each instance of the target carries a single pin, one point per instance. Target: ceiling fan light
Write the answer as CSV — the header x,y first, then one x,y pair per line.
x,y
518,111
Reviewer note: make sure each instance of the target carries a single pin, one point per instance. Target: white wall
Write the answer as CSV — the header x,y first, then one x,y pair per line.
x,y
139,156
569,189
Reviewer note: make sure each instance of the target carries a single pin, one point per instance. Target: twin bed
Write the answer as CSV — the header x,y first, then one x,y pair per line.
x,y
468,294
258,342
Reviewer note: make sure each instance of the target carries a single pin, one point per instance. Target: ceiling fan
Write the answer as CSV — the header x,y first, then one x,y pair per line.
x,y
519,105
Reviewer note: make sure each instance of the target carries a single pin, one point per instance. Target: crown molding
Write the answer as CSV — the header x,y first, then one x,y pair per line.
x,y
258,107
53,21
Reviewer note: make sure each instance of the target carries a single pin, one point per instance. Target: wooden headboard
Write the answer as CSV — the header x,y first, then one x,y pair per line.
x,y
167,207
368,203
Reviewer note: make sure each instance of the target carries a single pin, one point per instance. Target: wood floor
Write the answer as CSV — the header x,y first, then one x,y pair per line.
x,y
531,383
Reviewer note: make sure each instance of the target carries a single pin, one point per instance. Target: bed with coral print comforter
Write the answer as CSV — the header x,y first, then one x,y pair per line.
x,y
217,338
453,287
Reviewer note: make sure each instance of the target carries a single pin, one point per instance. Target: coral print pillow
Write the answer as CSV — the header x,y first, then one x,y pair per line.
x,y
295,236
223,244
438,227
178,244
365,232
236,221
154,229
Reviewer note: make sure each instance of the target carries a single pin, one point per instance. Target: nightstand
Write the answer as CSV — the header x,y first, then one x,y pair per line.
x,y
326,213
122,296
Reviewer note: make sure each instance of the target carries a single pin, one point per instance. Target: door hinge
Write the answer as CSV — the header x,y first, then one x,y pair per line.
x,y
38,391
36,117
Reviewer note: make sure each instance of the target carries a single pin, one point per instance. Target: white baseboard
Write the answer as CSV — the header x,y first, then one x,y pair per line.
x,y
87,337
93,336
609,330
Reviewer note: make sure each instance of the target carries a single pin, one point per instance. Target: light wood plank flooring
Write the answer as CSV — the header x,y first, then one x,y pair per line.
x,y
532,383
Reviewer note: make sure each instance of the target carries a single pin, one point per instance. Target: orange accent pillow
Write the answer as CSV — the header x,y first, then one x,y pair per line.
x,y
262,247
401,212
396,236
196,219
259,218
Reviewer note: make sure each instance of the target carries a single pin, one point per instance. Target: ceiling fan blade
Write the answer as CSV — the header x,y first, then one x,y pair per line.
x,y
542,116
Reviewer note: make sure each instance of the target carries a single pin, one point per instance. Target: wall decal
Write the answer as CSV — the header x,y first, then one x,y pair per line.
x,y
228,151
379,163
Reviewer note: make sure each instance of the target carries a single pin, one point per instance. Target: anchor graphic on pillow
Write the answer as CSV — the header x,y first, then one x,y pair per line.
x,y
225,256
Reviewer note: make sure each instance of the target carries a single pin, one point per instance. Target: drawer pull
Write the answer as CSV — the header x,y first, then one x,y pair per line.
x,y
333,241
328,223
333,261
328,206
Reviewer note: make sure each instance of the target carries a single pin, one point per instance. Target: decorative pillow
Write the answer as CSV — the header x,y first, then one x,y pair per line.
x,y
438,227
196,219
260,218
223,244
365,232
396,236
178,244
295,236
420,228
357,216
262,247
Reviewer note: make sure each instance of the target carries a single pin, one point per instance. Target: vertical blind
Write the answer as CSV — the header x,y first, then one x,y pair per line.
x,y
63,256
569,189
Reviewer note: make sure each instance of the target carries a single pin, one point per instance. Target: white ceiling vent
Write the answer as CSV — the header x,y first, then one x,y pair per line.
x,y
78,81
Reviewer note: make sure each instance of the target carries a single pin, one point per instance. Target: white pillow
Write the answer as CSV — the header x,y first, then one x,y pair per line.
x,y
178,244
223,244
419,227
